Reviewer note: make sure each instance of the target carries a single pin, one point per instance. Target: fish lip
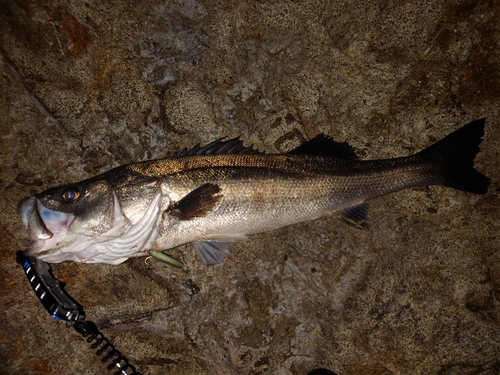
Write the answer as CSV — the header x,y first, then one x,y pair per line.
x,y
25,208
36,248
30,215
38,219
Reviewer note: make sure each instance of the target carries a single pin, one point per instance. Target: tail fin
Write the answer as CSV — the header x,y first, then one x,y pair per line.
x,y
455,153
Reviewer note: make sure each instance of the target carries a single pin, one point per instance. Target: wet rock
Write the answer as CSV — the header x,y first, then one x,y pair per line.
x,y
86,86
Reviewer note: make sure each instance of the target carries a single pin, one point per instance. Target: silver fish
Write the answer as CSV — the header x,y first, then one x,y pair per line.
x,y
224,192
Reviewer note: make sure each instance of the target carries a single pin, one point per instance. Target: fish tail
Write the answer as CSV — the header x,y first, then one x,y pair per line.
x,y
455,155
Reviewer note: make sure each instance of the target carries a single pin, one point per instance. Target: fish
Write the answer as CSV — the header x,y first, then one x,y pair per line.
x,y
221,193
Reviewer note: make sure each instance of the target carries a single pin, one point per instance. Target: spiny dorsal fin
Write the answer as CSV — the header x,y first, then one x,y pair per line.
x,y
218,147
197,203
356,216
323,145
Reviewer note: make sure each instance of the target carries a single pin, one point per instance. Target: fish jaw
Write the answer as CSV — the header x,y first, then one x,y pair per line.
x,y
46,228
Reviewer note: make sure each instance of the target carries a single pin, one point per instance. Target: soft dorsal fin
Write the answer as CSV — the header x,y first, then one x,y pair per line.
x,y
323,145
218,147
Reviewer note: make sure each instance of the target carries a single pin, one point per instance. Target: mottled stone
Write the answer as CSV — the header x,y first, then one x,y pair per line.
x,y
86,86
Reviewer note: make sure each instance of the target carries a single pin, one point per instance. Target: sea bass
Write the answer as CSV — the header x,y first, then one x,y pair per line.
x,y
224,192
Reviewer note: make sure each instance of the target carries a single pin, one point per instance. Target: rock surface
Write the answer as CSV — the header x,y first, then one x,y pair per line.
x,y
86,86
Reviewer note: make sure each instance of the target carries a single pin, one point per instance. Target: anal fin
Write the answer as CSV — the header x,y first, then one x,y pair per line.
x,y
356,216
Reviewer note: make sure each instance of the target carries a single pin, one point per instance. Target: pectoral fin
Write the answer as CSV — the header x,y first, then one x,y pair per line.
x,y
197,203
356,216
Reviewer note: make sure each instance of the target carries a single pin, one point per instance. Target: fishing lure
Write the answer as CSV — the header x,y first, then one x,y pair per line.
x,y
165,258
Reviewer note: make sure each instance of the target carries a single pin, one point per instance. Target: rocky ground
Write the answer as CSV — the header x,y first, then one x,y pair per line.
x,y
86,86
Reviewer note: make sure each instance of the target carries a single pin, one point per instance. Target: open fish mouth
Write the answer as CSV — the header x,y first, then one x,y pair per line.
x,y
45,227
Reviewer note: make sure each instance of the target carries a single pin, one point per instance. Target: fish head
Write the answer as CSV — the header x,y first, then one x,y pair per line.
x,y
64,221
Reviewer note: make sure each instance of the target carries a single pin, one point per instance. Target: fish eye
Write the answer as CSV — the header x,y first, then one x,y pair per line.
x,y
70,195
